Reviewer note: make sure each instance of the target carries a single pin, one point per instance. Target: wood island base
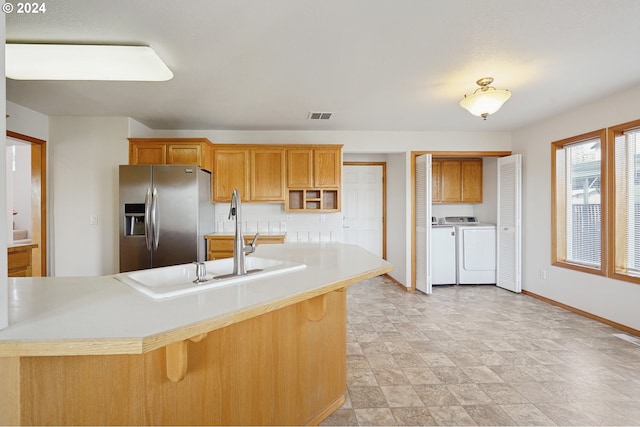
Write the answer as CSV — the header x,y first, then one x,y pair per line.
x,y
284,367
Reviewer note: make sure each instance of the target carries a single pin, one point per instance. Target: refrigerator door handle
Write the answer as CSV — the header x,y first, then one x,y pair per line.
x,y
147,219
154,219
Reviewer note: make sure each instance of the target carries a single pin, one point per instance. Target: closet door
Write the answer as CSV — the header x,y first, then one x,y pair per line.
x,y
423,223
509,227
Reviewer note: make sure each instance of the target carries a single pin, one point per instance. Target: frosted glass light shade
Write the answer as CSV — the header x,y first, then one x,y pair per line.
x,y
482,103
84,62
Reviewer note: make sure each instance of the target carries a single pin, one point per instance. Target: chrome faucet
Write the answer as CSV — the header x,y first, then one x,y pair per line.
x,y
240,250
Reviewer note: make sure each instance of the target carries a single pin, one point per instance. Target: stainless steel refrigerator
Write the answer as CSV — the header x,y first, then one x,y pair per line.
x,y
165,211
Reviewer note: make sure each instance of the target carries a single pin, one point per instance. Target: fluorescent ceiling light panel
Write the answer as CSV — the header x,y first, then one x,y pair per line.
x,y
84,62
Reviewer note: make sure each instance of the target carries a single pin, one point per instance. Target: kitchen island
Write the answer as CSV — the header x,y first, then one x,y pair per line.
x,y
93,351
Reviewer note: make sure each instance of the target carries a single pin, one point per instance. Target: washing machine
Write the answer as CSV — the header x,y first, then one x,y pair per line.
x,y
443,254
476,250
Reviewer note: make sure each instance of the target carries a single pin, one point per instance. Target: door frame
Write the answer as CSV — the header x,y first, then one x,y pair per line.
x,y
38,204
383,165
435,154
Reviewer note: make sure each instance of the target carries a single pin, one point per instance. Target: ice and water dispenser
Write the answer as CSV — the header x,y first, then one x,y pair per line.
x,y
134,219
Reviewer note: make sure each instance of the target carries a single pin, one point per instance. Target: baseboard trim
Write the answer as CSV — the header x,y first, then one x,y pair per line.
x,y
396,282
616,325
330,409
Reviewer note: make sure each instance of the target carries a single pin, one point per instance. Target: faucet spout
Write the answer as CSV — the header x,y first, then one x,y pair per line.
x,y
240,249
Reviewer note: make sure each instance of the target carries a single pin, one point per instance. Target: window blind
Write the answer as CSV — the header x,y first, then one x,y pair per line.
x,y
627,208
583,202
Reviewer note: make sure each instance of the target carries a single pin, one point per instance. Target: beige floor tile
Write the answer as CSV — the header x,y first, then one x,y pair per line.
x,y
489,415
399,347
481,374
469,394
450,375
361,377
399,396
480,355
527,415
367,397
565,414
414,416
437,359
502,393
409,360
451,416
375,417
421,375
381,361
435,395
391,376
341,417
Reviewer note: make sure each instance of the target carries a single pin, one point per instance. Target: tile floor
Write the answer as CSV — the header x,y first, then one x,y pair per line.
x,y
480,355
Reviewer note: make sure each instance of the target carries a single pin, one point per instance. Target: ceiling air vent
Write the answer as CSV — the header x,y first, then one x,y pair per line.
x,y
319,116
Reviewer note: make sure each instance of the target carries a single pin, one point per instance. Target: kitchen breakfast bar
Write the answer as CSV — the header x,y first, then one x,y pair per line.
x,y
269,351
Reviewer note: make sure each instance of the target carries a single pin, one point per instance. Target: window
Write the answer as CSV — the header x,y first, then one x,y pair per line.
x,y
596,215
625,201
578,202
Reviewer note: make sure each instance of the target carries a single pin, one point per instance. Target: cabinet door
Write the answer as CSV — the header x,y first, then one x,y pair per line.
x,y
147,154
450,174
184,154
436,182
327,166
471,180
231,170
267,175
300,168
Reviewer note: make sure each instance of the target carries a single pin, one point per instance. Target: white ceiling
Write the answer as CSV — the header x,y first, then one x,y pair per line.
x,y
378,65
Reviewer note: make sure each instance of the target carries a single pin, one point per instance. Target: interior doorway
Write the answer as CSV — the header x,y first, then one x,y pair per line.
x,y
364,205
38,192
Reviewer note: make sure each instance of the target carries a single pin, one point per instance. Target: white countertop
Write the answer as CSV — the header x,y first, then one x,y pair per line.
x,y
101,315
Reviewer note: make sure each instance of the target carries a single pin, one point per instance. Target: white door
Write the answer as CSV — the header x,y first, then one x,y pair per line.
x,y
509,227
423,223
362,206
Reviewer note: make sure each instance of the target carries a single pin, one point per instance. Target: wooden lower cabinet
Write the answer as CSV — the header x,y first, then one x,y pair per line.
x,y
19,259
222,246
285,367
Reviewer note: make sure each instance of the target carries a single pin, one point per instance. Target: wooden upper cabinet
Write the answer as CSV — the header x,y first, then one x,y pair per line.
x,y
147,154
450,179
267,174
456,180
231,170
327,167
171,151
183,153
471,180
300,167
314,178
436,182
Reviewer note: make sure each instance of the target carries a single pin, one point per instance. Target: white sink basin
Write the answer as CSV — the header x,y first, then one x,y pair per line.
x,y
165,282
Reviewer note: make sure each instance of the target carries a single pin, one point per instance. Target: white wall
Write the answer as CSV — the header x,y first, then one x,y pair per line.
x,y
612,299
359,141
4,223
84,154
27,122
19,185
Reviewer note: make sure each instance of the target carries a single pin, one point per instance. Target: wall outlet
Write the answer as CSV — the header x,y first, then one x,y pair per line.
x,y
323,218
93,220
543,274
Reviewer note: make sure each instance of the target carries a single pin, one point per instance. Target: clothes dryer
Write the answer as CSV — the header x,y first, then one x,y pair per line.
x,y
476,250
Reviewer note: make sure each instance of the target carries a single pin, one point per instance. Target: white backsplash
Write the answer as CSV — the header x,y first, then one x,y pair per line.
x,y
271,218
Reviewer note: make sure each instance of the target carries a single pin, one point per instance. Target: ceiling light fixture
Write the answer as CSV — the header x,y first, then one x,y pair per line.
x,y
486,99
84,62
